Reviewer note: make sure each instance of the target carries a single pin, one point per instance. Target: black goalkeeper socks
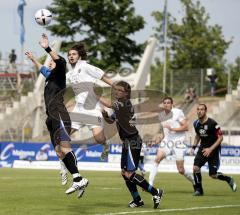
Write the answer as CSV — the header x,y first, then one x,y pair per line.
x,y
70,162
142,182
223,177
132,188
198,181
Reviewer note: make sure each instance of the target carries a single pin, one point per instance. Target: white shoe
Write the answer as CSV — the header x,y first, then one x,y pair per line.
x,y
81,192
64,178
105,152
233,185
77,186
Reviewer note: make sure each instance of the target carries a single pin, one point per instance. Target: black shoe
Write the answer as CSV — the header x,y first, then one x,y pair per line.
x,y
233,185
136,204
157,198
194,188
198,193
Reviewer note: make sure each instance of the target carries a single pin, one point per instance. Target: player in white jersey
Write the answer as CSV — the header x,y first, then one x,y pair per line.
x,y
174,126
82,77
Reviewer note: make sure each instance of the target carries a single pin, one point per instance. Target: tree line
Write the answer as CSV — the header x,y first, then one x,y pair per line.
x,y
107,28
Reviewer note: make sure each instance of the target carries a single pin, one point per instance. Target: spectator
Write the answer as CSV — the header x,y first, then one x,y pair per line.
x,y
212,78
187,96
193,94
12,59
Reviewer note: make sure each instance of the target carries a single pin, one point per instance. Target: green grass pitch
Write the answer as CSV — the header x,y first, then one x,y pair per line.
x,y
39,192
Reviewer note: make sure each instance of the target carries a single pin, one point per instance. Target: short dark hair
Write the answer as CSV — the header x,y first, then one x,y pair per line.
x,y
205,106
126,86
80,48
168,98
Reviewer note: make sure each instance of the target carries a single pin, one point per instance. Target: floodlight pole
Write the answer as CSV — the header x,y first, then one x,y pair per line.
x,y
165,51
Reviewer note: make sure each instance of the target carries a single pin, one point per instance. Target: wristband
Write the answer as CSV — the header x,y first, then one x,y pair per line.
x,y
48,49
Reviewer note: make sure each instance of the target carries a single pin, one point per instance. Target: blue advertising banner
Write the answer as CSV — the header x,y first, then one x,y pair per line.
x,y
233,151
10,151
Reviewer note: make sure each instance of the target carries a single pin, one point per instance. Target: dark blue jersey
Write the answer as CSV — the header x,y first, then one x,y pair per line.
x,y
124,117
207,131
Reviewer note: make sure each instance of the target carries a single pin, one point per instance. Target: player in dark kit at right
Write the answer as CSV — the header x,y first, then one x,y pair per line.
x,y
209,134
132,143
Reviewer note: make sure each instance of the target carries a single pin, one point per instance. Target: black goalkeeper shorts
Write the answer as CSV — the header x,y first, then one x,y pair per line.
x,y
59,127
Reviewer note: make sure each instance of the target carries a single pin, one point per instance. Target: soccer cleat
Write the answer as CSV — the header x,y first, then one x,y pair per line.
x,y
198,193
105,152
157,198
135,204
81,192
233,185
64,178
77,186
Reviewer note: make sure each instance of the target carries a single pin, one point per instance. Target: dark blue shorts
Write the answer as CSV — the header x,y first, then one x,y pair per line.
x,y
213,160
131,153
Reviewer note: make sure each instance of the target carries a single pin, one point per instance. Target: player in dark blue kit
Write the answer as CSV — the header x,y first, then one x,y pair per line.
x,y
132,143
58,121
209,134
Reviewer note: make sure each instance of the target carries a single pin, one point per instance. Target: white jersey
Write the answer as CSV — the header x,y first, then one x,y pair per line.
x,y
173,119
82,80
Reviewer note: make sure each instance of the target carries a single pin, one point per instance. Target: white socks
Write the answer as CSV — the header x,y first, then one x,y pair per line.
x,y
63,167
76,175
153,173
189,177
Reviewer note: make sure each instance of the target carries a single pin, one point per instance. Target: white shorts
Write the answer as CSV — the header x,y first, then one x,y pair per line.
x,y
177,148
81,117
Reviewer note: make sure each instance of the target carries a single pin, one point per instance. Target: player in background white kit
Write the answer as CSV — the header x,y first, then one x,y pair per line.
x,y
174,126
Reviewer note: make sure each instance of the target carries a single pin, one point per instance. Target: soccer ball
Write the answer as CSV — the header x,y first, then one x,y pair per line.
x,y
43,17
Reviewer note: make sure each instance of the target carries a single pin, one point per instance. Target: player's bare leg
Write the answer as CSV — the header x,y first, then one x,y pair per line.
x,y
182,171
99,136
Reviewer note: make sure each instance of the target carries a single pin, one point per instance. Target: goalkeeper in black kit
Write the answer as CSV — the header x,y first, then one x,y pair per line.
x,y
58,121
209,134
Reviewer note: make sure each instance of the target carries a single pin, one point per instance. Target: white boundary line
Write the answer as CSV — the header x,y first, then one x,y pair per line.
x,y
172,210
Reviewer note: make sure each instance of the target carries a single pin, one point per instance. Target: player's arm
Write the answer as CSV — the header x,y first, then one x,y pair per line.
x,y
159,136
106,102
107,80
34,60
43,69
217,143
44,43
195,144
107,118
183,126
196,141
